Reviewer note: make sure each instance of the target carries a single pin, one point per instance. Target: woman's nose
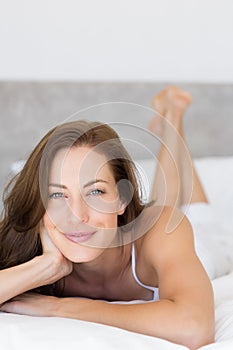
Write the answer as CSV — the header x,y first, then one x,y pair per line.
x,y
79,210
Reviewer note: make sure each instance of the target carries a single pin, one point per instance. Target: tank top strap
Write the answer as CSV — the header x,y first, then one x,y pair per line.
x,y
133,261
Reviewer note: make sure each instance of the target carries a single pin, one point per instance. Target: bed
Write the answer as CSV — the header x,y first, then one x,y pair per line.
x,y
216,173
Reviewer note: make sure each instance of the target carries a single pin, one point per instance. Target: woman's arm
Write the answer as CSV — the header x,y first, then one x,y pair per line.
x,y
18,279
41,270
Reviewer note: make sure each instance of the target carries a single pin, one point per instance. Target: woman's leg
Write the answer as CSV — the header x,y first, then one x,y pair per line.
x,y
213,243
176,182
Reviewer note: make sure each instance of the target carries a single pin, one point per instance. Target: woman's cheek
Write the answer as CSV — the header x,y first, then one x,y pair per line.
x,y
48,224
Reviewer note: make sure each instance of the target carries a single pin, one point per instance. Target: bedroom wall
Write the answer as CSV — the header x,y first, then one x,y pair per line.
x,y
126,40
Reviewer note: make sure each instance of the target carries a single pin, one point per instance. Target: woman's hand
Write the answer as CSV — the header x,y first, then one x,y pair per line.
x,y
34,304
59,265
31,304
42,270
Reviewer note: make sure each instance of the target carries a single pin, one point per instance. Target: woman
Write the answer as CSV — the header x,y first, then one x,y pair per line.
x,y
74,226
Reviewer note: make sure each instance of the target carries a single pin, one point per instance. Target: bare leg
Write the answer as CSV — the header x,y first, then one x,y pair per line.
x,y
176,181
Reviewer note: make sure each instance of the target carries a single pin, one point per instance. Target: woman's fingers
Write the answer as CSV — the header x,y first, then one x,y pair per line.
x,y
63,266
47,244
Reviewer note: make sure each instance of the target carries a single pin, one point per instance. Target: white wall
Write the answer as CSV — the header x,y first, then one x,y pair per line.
x,y
150,40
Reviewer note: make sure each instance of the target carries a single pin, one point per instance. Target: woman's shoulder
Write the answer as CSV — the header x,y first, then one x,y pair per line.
x,y
164,228
157,219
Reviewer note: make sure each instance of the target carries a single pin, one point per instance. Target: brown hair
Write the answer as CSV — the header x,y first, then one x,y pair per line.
x,y
26,195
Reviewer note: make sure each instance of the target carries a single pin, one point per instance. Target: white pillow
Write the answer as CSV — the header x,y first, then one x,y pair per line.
x,y
216,174
17,166
223,297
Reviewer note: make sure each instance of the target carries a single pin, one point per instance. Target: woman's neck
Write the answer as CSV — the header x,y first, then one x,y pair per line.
x,y
109,265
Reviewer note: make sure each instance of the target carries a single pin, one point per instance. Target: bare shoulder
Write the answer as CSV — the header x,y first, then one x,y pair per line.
x,y
170,235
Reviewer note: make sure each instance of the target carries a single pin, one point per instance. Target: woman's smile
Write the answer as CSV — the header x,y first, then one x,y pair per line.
x,y
79,237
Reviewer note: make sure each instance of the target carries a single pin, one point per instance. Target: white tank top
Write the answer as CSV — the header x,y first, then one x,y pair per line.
x,y
153,289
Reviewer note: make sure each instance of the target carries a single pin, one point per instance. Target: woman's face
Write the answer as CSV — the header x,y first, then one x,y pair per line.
x,y
83,204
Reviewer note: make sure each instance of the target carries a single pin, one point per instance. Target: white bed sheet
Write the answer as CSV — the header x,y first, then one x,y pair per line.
x,y
25,332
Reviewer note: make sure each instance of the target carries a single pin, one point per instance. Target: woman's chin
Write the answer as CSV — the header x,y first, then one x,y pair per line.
x,y
84,255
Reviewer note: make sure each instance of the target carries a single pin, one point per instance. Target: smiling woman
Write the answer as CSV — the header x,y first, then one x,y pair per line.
x,y
85,210
80,184
74,225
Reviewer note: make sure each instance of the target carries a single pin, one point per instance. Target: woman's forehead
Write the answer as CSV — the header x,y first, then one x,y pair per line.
x,y
79,155
81,161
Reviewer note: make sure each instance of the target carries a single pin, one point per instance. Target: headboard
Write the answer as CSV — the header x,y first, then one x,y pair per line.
x,y
29,109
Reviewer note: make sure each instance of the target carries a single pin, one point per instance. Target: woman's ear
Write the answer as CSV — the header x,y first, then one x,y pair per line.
x,y
122,206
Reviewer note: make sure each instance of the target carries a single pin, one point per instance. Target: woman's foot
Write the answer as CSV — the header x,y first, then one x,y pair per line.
x,y
170,104
176,101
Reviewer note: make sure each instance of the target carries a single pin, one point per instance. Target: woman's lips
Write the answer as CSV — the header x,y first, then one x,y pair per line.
x,y
79,237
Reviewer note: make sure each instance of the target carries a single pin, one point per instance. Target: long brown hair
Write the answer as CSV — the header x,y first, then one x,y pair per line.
x,y
25,196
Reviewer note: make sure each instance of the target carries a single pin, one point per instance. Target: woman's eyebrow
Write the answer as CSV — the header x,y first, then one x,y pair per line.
x,y
57,185
92,182
89,183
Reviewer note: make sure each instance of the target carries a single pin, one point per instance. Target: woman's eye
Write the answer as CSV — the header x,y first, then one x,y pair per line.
x,y
57,195
96,192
